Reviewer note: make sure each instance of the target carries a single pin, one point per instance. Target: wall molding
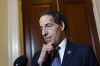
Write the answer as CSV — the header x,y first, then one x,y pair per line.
x,y
97,17
13,31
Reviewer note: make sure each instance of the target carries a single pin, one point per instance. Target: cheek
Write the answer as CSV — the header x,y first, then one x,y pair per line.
x,y
54,33
57,33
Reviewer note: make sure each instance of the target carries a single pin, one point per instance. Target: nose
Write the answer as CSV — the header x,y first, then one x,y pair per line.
x,y
44,32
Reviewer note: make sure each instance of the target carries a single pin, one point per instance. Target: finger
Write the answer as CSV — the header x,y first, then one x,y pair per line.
x,y
49,47
49,44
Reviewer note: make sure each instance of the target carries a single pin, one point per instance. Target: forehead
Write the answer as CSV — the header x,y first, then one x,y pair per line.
x,y
46,19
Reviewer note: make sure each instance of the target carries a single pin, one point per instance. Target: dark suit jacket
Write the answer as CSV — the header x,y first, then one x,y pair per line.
x,y
74,55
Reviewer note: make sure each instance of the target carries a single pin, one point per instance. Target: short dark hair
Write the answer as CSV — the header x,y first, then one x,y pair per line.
x,y
57,17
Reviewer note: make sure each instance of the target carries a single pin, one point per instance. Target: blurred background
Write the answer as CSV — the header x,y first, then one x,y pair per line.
x,y
20,33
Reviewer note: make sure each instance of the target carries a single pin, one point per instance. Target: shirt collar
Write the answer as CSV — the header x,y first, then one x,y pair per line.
x,y
62,45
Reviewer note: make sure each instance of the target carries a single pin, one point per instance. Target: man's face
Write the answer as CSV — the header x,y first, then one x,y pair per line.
x,y
50,30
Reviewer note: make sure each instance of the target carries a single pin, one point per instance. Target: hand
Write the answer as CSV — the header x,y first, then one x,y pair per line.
x,y
46,50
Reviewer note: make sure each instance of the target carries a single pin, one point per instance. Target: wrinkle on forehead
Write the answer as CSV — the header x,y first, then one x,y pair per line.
x,y
46,19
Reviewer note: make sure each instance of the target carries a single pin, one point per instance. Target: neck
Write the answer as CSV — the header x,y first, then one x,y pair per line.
x,y
61,38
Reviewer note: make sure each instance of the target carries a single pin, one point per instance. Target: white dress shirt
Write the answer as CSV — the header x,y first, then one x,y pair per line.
x,y
62,45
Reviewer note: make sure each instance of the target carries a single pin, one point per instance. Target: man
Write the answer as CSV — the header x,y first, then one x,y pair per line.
x,y
53,26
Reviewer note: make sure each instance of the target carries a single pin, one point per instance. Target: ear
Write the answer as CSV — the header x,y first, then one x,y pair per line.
x,y
62,26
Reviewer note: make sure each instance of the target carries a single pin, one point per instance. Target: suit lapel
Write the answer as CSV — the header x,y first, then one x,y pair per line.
x,y
68,53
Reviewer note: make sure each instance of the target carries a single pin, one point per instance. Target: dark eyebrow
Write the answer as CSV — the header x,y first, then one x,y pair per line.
x,y
45,25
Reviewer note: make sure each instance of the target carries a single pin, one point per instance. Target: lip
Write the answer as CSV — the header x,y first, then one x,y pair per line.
x,y
48,39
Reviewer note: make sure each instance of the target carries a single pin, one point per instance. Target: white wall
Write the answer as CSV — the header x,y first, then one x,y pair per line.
x,y
96,8
13,31
97,2
9,32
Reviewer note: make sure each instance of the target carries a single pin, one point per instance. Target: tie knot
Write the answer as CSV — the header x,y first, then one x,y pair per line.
x,y
56,53
57,48
56,58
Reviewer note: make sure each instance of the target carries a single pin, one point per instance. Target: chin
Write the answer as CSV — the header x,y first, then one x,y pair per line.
x,y
50,42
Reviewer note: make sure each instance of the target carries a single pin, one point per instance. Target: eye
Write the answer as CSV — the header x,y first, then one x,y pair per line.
x,y
49,25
